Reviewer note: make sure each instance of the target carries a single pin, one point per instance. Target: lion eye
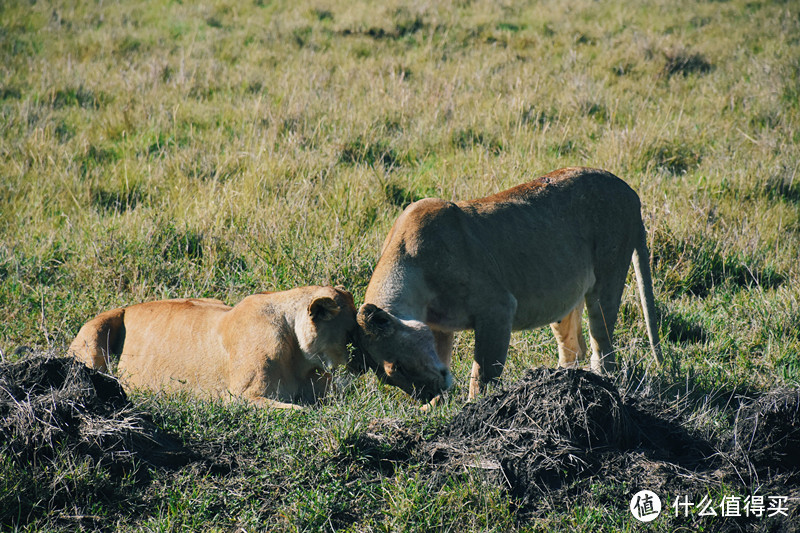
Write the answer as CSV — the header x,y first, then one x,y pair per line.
x,y
400,370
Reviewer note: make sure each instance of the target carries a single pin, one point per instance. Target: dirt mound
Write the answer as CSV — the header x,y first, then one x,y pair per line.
x,y
576,408
554,437
556,429
767,431
71,437
48,405
537,435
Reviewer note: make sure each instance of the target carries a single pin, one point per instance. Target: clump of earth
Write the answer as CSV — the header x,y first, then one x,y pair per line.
x,y
551,438
50,404
75,438
548,440
555,430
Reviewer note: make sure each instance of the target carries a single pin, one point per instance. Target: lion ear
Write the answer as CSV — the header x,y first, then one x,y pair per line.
x,y
348,298
323,308
375,321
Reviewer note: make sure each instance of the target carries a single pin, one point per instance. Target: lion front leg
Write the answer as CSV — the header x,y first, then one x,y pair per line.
x,y
263,402
444,346
492,335
444,350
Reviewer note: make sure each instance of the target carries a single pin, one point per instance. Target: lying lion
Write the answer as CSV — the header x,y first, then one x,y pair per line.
x,y
273,349
520,259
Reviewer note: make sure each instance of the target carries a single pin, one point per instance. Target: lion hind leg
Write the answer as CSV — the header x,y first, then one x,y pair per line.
x,y
602,308
569,335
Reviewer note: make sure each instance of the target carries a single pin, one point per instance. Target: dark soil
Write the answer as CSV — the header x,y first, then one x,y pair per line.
x,y
562,437
552,440
51,404
75,434
767,431
554,433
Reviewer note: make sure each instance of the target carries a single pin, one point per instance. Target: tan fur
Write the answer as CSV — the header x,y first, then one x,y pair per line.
x,y
522,258
273,349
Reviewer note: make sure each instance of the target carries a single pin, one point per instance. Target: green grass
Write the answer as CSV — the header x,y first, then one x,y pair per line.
x,y
163,149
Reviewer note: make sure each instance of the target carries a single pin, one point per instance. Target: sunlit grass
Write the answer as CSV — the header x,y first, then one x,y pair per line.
x,y
161,149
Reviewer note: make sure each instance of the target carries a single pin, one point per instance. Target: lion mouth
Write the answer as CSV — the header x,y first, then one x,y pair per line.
x,y
423,388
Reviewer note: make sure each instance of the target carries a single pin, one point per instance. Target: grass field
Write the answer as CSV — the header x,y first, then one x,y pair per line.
x,y
163,149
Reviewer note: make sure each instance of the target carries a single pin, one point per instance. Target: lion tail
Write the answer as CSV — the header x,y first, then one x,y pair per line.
x,y
644,280
99,338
